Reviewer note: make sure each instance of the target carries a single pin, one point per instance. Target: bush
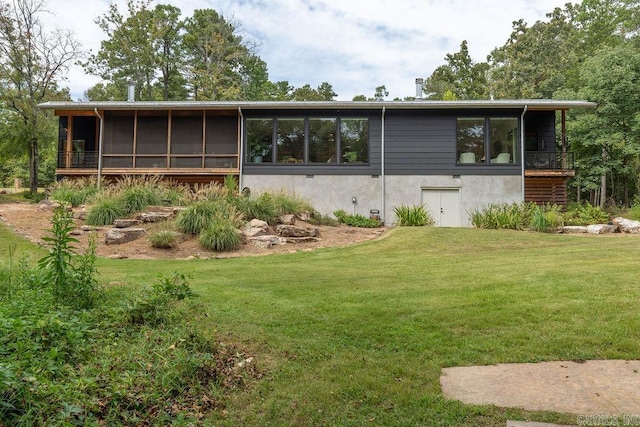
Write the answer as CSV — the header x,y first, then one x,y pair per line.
x,y
546,218
413,216
221,235
262,207
163,239
136,199
503,216
105,211
356,220
74,191
584,214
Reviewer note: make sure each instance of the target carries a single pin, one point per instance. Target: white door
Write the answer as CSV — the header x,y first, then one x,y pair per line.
x,y
444,206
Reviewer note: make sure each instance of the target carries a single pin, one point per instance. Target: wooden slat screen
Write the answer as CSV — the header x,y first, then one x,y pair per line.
x,y
541,190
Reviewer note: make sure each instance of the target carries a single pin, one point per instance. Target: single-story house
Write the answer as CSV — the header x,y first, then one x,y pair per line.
x,y
362,157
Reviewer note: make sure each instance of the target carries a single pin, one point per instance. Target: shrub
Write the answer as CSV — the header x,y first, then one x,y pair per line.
x,y
503,216
356,220
262,207
546,218
584,214
105,211
220,236
74,191
634,212
163,239
413,216
319,219
196,217
136,199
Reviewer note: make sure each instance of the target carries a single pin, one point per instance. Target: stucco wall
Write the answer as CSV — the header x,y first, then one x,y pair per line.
x,y
328,193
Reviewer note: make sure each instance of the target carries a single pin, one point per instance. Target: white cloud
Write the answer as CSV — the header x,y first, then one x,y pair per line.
x,y
355,45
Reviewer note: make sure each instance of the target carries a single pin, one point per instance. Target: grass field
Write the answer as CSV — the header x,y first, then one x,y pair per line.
x,y
358,335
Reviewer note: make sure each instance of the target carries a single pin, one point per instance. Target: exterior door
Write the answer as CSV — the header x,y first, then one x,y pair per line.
x,y
443,205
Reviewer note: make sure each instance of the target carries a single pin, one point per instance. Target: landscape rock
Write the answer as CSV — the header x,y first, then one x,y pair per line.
x,y
304,216
601,229
574,229
125,223
295,231
154,216
80,213
287,219
301,239
266,241
50,205
627,225
117,236
88,228
256,227
76,232
117,256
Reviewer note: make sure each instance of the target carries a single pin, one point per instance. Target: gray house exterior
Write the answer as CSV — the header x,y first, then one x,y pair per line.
x,y
362,157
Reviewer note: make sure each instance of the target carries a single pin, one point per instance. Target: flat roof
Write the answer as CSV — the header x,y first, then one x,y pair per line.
x,y
530,104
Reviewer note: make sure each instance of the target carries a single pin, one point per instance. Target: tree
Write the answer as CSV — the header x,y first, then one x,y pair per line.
x,y
167,43
609,137
324,92
216,55
32,62
128,53
380,94
461,76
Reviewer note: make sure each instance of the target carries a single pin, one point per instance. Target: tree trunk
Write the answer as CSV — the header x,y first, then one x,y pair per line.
x,y
33,166
603,181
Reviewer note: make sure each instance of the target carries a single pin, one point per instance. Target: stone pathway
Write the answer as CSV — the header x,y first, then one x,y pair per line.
x,y
607,388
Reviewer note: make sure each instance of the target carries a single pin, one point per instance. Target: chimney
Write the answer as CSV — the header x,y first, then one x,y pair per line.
x,y
419,88
131,91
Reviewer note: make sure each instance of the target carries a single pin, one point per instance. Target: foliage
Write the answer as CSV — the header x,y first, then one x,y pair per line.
x,y
220,235
584,214
460,78
136,358
196,217
512,216
546,218
318,219
70,275
105,211
413,216
32,63
356,220
163,235
137,198
75,192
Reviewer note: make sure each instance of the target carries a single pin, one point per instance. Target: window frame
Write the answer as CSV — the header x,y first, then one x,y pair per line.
x,y
487,142
274,159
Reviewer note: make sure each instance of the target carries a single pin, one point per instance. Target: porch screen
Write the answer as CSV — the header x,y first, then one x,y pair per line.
x,y
118,132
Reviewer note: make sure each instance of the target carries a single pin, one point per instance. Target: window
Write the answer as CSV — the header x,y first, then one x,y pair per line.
x,y
309,140
260,140
488,140
470,140
322,141
290,141
354,141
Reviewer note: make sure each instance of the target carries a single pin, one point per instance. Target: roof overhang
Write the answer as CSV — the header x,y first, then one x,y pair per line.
x,y
530,104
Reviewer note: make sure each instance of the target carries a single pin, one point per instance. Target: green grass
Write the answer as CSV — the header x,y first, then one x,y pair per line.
x,y
359,335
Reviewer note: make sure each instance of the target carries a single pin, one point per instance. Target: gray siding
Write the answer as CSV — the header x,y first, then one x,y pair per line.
x,y
424,143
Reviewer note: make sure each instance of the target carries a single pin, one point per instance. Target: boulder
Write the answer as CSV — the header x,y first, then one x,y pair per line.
x,y
601,229
256,227
295,231
573,229
627,225
50,205
287,219
301,239
117,236
125,223
304,216
88,228
154,216
80,213
266,241
76,232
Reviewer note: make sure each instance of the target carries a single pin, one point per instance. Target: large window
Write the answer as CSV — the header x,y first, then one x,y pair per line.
x,y
322,141
310,140
487,140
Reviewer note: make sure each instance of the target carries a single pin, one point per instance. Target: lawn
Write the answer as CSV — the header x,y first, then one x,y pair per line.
x,y
358,335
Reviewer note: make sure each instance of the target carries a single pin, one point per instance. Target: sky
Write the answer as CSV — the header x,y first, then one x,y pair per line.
x,y
355,45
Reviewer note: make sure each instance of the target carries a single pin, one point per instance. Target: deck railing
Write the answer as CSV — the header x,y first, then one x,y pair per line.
x,y
78,159
549,161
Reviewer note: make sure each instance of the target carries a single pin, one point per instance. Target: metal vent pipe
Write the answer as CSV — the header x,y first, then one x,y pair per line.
x,y
419,87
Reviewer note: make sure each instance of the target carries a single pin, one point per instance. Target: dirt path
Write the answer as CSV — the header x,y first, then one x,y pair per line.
x,y
27,220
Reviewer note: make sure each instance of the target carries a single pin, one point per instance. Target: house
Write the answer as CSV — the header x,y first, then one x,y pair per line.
x,y
363,157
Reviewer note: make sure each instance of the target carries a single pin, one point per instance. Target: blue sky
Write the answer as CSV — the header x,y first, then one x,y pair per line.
x,y
355,45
